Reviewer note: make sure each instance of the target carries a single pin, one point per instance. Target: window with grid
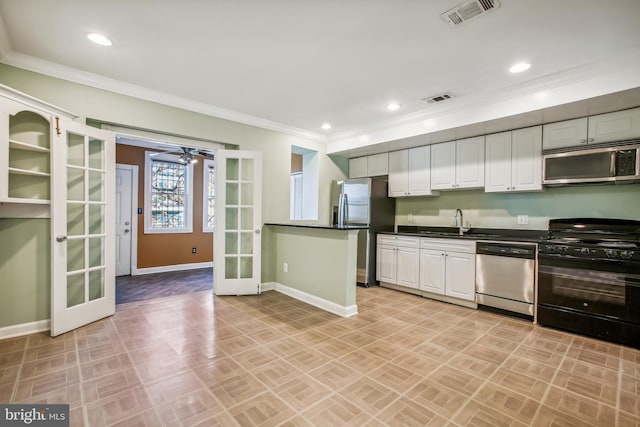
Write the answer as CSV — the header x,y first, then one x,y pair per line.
x,y
168,194
208,215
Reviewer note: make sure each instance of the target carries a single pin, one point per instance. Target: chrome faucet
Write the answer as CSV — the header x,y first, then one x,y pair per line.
x,y
461,228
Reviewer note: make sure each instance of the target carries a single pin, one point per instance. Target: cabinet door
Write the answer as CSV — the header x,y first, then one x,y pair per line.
x,y
498,162
398,173
432,272
615,126
460,272
443,165
526,158
358,167
568,133
386,264
408,267
470,162
378,164
419,180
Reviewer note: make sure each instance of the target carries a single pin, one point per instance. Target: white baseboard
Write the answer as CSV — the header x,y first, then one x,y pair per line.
x,y
331,307
169,268
268,286
24,329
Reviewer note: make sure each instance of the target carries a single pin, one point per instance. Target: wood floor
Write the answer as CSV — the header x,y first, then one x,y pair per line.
x,y
200,360
150,286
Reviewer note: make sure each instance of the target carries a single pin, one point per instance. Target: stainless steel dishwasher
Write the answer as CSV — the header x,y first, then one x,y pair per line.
x,y
505,276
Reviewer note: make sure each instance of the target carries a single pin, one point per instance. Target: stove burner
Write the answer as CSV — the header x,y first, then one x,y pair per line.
x,y
618,244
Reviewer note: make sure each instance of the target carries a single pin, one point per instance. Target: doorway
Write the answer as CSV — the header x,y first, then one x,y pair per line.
x,y
126,220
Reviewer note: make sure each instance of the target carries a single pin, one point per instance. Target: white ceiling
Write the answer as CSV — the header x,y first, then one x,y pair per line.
x,y
291,65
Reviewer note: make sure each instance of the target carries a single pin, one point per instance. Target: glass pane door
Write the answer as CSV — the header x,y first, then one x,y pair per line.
x,y
238,223
83,259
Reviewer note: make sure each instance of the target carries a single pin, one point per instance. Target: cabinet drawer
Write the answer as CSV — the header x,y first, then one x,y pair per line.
x,y
386,239
408,242
466,246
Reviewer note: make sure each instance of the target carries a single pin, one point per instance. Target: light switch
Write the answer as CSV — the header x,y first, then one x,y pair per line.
x,y
523,219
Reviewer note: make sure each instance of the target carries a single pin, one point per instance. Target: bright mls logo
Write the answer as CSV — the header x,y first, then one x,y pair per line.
x,y
34,415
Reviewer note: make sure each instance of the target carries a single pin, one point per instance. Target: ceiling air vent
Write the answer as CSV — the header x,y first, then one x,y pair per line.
x,y
468,10
438,98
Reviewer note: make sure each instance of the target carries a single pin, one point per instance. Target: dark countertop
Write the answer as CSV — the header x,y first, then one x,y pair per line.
x,y
321,227
499,234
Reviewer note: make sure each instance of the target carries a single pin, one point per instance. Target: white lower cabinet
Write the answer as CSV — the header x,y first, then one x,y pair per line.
x,y
397,261
448,267
429,267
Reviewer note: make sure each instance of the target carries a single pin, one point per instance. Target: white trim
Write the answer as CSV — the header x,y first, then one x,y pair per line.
x,y
149,139
25,329
48,68
268,286
169,268
326,305
150,156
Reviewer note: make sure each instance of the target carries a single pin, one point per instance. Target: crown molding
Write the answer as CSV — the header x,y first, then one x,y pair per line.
x,y
30,63
574,84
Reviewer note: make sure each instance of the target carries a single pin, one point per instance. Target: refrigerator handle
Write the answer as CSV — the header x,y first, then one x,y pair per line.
x,y
342,207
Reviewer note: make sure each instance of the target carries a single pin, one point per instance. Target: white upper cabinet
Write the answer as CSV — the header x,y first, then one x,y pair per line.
x,y
616,126
358,167
374,165
458,164
443,165
470,162
409,172
378,164
514,160
565,134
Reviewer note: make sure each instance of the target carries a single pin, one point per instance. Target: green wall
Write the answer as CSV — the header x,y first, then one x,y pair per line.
x,y
321,262
24,270
500,210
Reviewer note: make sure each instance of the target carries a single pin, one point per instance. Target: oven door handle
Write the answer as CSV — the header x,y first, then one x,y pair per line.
x,y
570,257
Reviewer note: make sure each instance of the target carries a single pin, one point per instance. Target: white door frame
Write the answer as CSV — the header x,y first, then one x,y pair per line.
x,y
134,214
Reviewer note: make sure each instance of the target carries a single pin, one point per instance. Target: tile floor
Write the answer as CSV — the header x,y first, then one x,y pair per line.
x,y
198,360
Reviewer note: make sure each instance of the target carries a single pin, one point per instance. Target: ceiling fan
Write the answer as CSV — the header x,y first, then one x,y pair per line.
x,y
187,154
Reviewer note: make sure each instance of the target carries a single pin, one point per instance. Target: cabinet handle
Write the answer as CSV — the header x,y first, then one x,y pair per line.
x,y
583,141
591,139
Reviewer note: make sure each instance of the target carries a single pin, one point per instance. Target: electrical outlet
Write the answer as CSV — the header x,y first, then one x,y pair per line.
x,y
193,250
523,219
285,267
410,217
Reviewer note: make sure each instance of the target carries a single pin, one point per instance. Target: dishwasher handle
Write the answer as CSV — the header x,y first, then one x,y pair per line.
x,y
524,251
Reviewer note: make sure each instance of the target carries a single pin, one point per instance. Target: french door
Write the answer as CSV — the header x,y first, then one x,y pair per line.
x,y
237,240
82,227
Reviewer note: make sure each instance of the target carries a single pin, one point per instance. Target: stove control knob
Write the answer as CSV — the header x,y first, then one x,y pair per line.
x,y
626,254
610,253
585,251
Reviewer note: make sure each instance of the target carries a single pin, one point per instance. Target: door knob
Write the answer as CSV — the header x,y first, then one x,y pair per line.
x,y
126,223
257,231
61,238
126,230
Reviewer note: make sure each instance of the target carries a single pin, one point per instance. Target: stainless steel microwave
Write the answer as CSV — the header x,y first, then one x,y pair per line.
x,y
597,164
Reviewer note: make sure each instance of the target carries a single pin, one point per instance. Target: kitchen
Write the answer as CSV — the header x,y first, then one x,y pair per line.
x,y
481,209
495,267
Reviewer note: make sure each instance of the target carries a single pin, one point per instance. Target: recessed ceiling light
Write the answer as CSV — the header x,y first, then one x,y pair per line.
x,y
393,106
100,39
326,126
520,67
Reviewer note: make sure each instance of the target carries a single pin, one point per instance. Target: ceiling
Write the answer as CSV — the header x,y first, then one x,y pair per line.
x,y
291,65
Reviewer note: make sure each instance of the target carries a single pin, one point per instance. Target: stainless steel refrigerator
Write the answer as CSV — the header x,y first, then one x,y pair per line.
x,y
364,202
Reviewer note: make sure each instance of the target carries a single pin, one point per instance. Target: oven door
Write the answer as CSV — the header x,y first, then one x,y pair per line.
x,y
605,288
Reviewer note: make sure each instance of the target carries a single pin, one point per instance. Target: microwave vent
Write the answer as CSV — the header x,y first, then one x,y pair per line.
x,y
469,10
436,99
